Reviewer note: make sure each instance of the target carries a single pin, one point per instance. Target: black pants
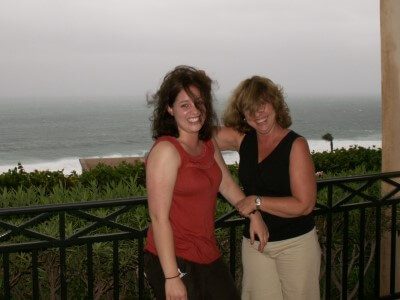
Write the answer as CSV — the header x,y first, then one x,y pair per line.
x,y
202,281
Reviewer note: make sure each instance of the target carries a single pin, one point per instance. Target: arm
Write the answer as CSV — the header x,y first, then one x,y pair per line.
x,y
161,173
228,187
232,192
302,184
228,138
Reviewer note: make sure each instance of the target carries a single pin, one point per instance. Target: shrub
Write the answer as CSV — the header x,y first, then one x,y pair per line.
x,y
103,175
343,160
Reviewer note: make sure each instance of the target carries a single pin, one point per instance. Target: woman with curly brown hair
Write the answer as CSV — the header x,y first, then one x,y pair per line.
x,y
184,173
277,174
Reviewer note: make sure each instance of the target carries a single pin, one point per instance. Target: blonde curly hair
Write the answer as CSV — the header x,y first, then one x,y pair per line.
x,y
248,96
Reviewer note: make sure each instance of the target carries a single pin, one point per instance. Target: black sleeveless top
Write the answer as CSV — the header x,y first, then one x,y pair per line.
x,y
270,177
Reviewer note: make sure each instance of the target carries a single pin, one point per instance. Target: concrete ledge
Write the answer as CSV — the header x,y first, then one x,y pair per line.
x,y
90,163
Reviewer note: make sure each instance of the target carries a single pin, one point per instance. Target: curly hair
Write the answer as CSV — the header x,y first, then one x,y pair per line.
x,y
248,96
182,78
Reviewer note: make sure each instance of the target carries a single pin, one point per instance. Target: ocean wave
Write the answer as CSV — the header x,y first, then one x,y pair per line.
x,y
70,164
66,165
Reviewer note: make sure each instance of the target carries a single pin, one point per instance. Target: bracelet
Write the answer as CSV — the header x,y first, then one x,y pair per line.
x,y
180,275
172,277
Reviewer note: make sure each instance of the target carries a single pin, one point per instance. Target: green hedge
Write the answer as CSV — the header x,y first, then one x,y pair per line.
x,y
331,163
343,160
102,175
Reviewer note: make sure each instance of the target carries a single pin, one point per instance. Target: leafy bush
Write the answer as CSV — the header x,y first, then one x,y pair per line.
x,y
18,178
340,160
343,160
102,175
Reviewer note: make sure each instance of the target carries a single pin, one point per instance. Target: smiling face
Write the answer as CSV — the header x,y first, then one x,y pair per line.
x,y
263,120
188,111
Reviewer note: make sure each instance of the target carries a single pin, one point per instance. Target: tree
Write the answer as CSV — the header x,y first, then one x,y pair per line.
x,y
328,137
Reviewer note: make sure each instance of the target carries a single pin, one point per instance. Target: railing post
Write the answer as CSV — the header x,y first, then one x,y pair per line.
x,y
377,251
141,268
362,255
393,250
89,269
116,269
232,251
328,265
35,279
345,256
6,279
63,268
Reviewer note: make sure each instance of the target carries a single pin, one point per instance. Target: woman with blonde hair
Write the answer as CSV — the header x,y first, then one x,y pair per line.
x,y
277,174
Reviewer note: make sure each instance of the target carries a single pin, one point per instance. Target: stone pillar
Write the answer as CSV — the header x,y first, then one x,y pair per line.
x,y
390,60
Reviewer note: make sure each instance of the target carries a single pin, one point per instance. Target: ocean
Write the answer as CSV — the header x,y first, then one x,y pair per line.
x,y
46,133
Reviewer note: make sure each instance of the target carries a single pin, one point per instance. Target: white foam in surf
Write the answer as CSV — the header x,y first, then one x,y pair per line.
x,y
67,165
72,164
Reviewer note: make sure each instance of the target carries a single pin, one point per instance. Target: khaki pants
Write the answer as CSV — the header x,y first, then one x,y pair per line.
x,y
287,269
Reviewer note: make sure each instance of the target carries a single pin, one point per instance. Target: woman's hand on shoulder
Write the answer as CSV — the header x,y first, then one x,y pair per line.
x,y
228,138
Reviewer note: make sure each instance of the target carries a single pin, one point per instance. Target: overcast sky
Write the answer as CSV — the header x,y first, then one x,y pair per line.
x,y
124,47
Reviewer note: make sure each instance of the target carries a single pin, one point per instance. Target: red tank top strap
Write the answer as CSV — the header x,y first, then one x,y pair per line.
x,y
204,160
177,145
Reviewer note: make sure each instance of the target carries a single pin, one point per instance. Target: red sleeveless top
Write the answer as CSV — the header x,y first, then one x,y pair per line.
x,y
193,206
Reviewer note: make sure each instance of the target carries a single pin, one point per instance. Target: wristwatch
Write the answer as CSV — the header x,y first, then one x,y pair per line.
x,y
258,202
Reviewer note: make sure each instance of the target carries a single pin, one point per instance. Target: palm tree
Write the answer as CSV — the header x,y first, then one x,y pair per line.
x,y
328,137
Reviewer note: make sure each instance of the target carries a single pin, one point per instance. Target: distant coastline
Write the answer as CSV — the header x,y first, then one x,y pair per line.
x,y
53,135
71,164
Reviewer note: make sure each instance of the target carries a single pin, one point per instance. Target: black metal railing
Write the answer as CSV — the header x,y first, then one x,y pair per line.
x,y
352,213
96,248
